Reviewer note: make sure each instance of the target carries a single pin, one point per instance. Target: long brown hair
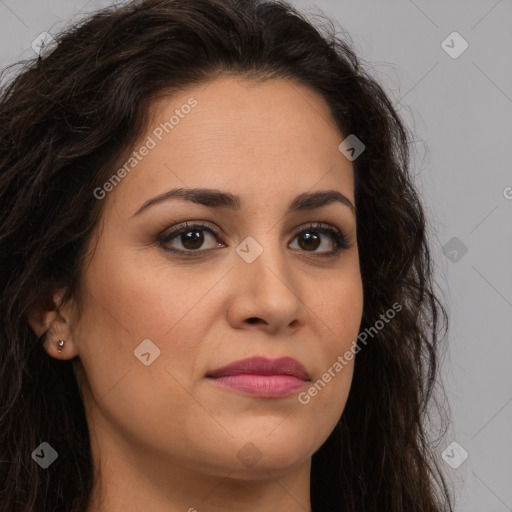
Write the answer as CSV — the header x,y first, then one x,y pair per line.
x,y
66,121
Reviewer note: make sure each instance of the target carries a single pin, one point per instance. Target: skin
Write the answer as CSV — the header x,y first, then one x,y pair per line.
x,y
165,436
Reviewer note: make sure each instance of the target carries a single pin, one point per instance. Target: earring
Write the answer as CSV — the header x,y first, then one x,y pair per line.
x,y
60,345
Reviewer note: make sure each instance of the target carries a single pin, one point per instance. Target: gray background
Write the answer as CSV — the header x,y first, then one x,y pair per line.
x,y
460,111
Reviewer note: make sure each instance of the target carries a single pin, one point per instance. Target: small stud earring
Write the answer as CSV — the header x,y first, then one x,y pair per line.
x,y
60,346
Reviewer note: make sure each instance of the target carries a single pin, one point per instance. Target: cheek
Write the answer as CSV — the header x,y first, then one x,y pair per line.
x,y
139,296
337,312
123,307
144,294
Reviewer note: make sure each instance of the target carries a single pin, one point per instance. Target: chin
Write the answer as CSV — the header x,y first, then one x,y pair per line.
x,y
272,465
272,450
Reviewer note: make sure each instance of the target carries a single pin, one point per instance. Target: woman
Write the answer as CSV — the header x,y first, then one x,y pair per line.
x,y
216,284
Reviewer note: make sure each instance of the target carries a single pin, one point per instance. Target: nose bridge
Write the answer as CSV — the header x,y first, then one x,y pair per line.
x,y
265,286
263,264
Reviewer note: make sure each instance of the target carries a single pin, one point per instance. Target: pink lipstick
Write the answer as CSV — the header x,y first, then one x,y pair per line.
x,y
262,377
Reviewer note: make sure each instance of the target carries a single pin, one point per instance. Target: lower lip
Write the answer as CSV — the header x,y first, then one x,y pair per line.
x,y
261,385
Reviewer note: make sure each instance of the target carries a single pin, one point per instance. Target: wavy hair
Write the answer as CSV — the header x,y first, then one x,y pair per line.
x,y
69,118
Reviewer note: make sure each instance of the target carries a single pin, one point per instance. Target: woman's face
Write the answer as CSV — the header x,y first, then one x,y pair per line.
x,y
267,286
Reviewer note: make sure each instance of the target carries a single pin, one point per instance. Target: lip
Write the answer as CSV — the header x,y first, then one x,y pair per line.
x,y
262,377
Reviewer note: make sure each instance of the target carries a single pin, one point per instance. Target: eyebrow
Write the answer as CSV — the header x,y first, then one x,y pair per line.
x,y
217,199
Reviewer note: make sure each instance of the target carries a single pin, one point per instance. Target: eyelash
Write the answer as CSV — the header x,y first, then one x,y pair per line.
x,y
340,240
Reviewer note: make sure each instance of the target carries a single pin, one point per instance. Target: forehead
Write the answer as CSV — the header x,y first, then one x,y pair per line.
x,y
231,109
246,137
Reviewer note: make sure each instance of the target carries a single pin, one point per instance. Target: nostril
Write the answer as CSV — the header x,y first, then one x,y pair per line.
x,y
253,320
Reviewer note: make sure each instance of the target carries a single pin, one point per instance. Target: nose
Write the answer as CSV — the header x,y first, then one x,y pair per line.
x,y
267,294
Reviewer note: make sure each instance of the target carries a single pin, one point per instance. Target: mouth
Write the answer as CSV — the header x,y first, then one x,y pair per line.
x,y
262,377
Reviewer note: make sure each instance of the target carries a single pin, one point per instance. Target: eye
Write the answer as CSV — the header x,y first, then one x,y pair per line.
x,y
191,237
311,238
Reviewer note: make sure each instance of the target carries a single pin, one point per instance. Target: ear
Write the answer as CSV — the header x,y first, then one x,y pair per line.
x,y
47,318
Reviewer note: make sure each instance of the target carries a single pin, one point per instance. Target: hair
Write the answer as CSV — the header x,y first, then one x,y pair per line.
x,y
69,118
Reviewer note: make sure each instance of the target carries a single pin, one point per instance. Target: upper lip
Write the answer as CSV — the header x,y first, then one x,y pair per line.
x,y
263,366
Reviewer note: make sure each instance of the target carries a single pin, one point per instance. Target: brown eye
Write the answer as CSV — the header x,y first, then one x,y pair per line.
x,y
191,238
311,238
310,241
185,239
